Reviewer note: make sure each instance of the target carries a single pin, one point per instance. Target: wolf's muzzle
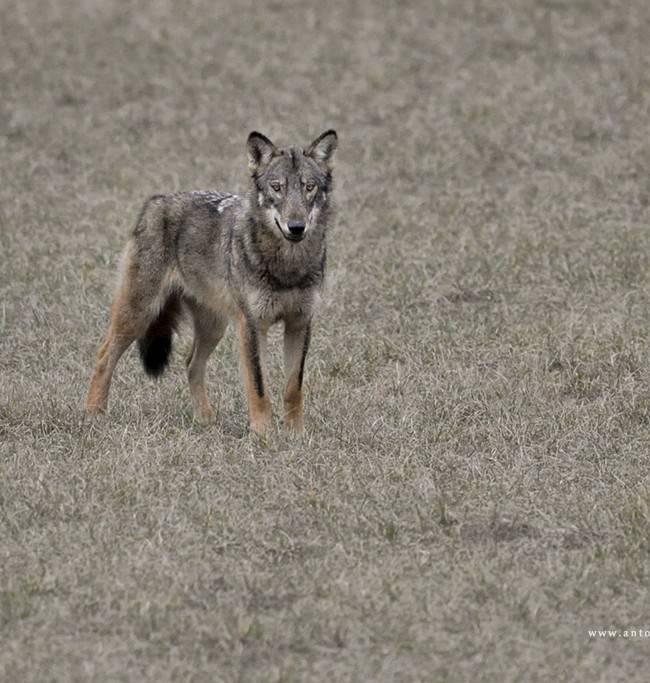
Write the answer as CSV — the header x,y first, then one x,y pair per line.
x,y
296,228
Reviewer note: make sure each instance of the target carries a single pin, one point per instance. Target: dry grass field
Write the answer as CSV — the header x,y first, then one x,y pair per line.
x,y
472,492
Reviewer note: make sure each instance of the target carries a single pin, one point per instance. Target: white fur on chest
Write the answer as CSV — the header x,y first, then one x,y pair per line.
x,y
271,306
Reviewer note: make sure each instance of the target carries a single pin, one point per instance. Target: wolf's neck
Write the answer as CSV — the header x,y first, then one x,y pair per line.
x,y
286,261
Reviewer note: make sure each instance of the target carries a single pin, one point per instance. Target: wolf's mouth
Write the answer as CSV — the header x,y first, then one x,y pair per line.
x,y
289,237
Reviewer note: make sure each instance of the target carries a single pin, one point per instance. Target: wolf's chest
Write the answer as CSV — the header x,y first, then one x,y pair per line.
x,y
272,306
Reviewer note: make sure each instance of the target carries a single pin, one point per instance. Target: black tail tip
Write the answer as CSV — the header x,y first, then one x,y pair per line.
x,y
154,353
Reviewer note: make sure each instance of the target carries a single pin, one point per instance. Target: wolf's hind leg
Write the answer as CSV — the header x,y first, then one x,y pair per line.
x,y
121,334
209,328
296,344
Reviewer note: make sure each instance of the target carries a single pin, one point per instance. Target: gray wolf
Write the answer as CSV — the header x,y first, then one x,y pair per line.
x,y
258,258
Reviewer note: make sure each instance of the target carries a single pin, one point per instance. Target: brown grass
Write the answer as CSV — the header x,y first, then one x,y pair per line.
x,y
471,495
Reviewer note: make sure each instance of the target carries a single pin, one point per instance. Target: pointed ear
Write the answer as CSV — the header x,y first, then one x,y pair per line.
x,y
322,148
260,151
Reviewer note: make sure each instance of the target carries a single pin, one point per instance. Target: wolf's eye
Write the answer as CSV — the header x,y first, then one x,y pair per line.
x,y
310,186
275,186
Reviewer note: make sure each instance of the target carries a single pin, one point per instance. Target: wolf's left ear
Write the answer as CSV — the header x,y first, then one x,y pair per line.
x,y
323,147
260,151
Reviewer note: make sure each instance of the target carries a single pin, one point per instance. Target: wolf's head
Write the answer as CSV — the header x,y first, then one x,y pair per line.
x,y
290,187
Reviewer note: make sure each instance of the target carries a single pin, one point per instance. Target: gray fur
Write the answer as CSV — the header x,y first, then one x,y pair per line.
x,y
260,255
227,252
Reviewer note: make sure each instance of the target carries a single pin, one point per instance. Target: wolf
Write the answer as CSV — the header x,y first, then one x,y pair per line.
x,y
256,258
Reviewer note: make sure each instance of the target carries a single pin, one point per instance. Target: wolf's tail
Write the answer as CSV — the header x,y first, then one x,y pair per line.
x,y
156,345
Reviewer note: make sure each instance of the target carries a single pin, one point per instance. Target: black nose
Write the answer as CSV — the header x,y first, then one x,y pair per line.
x,y
296,227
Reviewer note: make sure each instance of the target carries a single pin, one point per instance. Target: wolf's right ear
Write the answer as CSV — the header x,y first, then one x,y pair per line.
x,y
260,151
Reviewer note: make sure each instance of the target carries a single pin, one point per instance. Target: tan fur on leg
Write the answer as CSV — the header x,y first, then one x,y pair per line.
x,y
120,336
252,347
293,407
296,343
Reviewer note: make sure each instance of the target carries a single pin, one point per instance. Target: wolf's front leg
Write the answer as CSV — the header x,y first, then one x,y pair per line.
x,y
252,348
296,344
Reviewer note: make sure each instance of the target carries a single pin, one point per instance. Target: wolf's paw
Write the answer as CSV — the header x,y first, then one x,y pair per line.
x,y
293,419
260,425
205,417
94,412
294,425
